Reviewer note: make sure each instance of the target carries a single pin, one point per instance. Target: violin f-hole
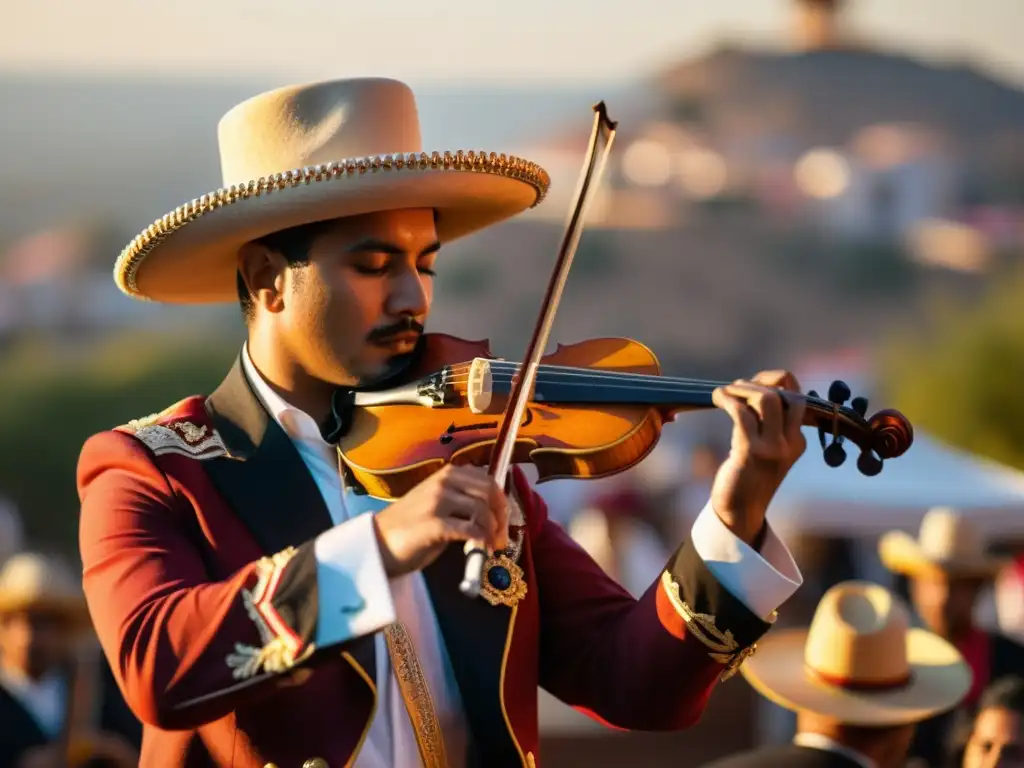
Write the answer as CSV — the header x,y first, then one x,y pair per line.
x,y
449,434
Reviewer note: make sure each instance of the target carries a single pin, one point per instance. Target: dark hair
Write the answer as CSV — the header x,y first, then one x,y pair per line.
x,y
1005,693
293,244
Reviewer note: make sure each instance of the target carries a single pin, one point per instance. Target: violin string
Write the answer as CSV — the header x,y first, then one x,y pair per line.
x,y
619,380
603,382
681,392
656,384
606,373
560,373
502,366
609,379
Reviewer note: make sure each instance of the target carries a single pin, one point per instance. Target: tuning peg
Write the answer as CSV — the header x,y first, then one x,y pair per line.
x,y
869,464
838,392
860,405
813,393
835,455
823,436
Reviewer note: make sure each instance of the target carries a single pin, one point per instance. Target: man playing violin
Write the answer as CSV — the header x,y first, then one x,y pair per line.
x,y
259,608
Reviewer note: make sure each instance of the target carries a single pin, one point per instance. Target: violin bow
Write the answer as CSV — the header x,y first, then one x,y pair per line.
x,y
601,138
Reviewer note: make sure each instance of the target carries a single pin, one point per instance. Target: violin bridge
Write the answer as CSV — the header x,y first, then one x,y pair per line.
x,y
480,387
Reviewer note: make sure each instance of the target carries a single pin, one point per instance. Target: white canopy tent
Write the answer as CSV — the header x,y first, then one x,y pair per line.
x,y
817,498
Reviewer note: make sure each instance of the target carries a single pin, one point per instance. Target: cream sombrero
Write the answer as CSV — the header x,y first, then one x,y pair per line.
x,y
860,662
33,581
309,153
947,543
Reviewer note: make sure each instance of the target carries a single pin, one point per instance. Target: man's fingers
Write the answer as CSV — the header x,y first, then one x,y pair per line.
x,y
743,417
766,403
456,529
777,379
768,394
470,493
461,506
794,417
472,481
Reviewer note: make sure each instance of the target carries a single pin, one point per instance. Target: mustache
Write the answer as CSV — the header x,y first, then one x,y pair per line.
x,y
405,325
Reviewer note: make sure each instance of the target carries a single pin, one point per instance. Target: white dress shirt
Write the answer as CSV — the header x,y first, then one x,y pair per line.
x,y
348,558
348,555
824,743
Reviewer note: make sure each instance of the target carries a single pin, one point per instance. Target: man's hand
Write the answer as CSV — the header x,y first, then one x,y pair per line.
x,y
453,504
766,442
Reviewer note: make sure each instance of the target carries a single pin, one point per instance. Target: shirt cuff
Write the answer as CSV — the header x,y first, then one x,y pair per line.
x,y
353,593
762,582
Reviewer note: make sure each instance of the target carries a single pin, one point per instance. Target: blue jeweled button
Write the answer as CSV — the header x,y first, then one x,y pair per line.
x,y
499,577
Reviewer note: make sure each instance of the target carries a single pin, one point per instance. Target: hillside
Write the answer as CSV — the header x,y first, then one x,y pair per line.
x,y
127,151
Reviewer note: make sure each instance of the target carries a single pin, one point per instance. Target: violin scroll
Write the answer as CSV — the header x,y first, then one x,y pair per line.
x,y
886,435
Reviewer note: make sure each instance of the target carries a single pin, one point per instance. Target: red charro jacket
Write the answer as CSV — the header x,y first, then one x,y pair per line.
x,y
209,629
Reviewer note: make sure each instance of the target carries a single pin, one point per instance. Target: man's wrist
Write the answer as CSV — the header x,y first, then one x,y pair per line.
x,y
750,533
386,558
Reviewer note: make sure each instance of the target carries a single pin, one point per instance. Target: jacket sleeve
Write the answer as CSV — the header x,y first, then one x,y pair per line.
x,y
185,649
647,664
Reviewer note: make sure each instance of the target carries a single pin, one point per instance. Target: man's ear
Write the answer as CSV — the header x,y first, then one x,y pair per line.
x,y
263,272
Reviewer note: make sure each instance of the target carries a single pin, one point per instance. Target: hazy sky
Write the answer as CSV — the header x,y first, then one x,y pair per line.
x,y
422,40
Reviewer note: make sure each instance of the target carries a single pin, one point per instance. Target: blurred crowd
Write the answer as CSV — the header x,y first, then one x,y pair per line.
x,y
59,704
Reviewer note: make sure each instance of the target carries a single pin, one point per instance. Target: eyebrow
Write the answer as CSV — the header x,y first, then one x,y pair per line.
x,y
374,245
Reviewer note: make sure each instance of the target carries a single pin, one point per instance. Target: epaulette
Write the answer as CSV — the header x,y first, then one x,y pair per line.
x,y
175,430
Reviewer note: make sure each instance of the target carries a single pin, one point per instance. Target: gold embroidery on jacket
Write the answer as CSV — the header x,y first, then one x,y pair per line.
x,y
182,438
281,649
416,693
722,645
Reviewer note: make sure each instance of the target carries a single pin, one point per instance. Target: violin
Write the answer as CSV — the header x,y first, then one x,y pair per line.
x,y
597,408
586,410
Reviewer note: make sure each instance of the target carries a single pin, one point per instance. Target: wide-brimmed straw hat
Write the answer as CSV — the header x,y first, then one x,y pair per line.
x,y
947,544
860,662
308,153
32,581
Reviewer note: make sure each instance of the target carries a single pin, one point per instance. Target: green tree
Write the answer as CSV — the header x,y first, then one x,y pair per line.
x,y
51,402
962,381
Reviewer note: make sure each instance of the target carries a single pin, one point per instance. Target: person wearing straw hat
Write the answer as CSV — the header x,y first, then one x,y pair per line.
x,y
860,679
260,609
42,615
946,566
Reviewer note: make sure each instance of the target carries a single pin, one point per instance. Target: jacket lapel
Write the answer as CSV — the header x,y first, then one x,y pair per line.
x,y
263,477
475,634
266,481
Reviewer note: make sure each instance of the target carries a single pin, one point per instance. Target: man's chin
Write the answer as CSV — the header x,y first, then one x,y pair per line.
x,y
391,367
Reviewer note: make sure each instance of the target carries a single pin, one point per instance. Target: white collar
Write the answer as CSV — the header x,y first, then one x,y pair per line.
x,y
297,424
824,743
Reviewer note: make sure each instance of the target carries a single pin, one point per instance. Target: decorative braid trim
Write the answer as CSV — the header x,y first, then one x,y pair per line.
x,y
508,166
282,649
722,646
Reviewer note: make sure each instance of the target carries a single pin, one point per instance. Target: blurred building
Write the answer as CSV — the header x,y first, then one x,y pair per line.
x,y
829,134
58,282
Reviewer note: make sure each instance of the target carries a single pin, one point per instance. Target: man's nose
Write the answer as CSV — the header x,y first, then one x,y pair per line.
x,y
408,295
